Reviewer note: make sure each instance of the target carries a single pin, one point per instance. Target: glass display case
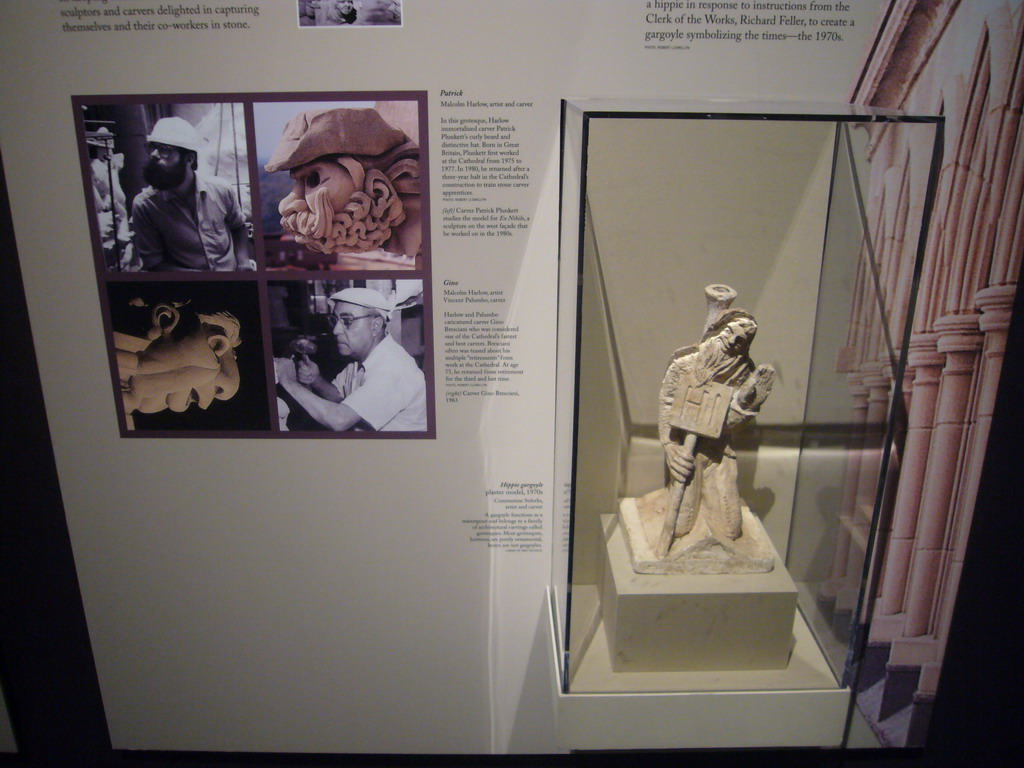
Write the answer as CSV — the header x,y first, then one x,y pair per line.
x,y
779,203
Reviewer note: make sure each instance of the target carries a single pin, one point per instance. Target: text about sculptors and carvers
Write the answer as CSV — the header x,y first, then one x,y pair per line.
x,y
132,16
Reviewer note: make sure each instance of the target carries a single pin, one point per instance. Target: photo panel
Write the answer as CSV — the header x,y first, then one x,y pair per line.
x,y
167,184
352,358
343,182
337,186
188,357
349,13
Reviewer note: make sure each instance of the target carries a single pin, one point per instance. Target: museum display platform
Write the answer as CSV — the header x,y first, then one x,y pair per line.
x,y
693,622
792,707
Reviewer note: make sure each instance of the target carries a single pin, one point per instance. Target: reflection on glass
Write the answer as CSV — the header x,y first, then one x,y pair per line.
x,y
654,208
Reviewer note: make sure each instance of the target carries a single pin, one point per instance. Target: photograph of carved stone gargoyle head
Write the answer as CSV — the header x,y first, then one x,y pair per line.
x,y
340,184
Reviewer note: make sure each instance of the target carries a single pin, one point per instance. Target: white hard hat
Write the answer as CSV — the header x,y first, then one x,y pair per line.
x,y
175,131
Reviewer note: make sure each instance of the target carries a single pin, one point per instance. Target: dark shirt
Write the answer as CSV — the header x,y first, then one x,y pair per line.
x,y
169,237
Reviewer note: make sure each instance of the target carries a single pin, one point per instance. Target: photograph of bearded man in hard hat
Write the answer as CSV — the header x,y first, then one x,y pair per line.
x,y
184,173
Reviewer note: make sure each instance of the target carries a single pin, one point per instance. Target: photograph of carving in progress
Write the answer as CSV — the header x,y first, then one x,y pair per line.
x,y
349,357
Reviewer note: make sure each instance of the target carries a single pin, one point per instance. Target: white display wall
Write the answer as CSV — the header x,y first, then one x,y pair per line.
x,y
332,595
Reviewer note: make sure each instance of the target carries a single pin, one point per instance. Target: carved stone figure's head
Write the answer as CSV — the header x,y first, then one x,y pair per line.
x,y
734,330
186,358
353,176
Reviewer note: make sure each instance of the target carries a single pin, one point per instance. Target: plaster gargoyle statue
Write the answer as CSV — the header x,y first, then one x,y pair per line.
x,y
698,523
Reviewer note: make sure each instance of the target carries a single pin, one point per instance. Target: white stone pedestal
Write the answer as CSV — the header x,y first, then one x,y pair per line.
x,y
679,622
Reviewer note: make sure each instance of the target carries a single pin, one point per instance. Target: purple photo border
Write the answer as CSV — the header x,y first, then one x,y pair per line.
x,y
261,276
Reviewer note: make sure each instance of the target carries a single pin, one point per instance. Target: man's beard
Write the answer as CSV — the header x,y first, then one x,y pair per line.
x,y
363,224
159,177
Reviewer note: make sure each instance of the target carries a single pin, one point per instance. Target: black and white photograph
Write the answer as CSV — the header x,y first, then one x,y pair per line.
x,y
349,357
350,13
340,184
188,356
169,186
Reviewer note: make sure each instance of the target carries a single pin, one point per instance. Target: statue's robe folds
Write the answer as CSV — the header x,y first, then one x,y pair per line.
x,y
712,495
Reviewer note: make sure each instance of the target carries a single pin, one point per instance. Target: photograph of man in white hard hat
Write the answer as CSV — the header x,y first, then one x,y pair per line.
x,y
169,187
